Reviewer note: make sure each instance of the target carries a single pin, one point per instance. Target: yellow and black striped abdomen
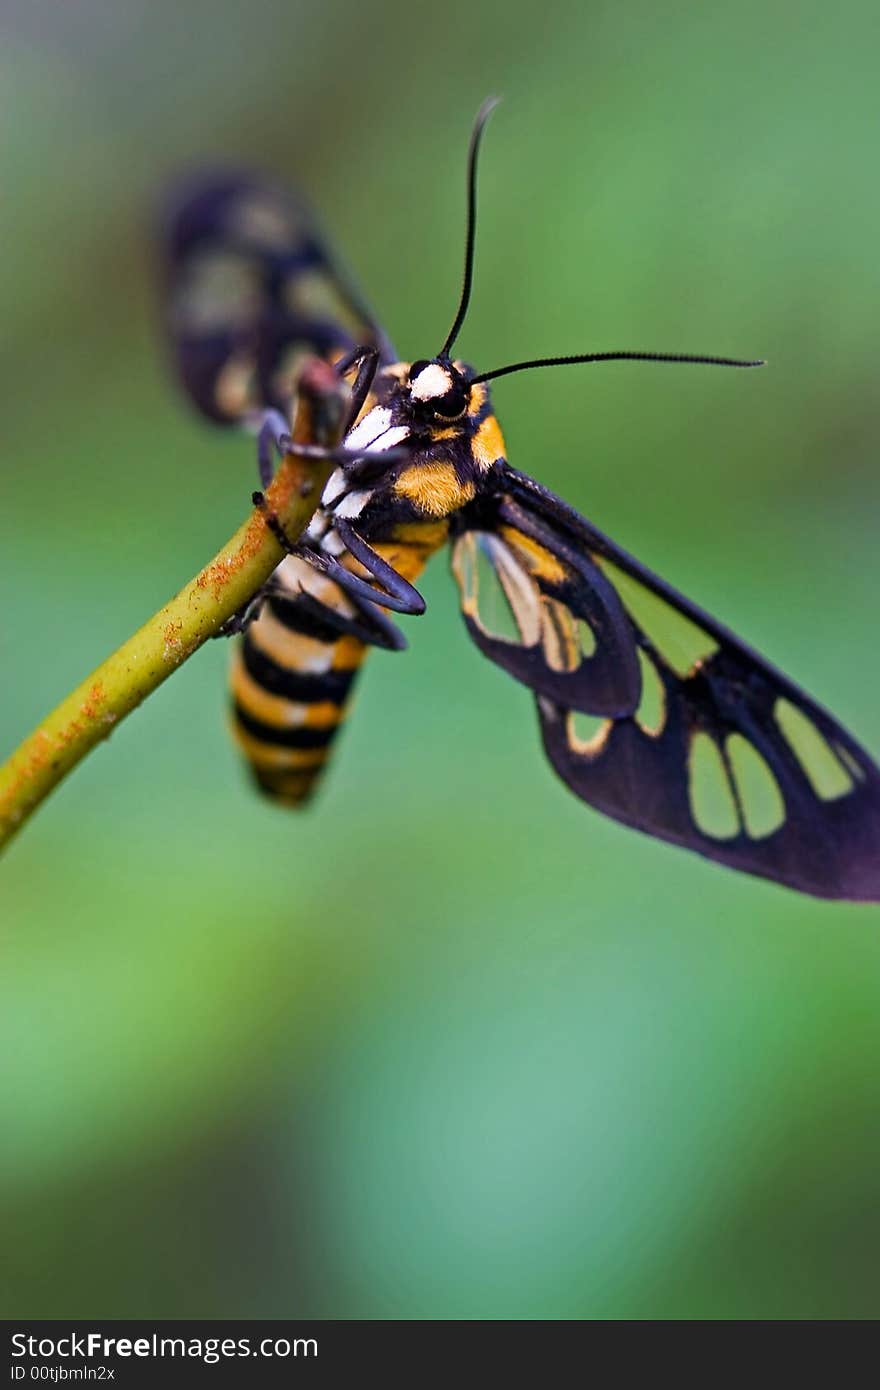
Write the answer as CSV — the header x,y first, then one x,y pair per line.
x,y
291,681
294,669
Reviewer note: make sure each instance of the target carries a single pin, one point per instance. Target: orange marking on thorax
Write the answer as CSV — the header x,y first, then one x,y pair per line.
x,y
407,560
428,535
435,488
487,444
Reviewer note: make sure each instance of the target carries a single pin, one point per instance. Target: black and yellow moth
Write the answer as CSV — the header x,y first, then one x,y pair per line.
x,y
644,700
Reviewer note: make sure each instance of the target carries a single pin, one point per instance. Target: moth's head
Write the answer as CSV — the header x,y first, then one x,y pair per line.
x,y
439,392
419,405
435,401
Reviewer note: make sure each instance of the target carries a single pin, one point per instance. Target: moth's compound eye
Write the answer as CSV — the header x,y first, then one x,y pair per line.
x,y
453,404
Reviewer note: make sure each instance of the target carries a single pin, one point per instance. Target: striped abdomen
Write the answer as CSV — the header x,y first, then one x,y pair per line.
x,y
294,669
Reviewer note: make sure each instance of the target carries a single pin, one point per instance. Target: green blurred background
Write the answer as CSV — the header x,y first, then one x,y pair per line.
x,y
450,1044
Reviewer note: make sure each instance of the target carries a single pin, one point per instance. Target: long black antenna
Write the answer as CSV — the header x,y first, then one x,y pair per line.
x,y
617,357
483,115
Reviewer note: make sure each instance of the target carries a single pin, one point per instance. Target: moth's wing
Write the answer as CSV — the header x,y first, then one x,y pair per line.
x,y
724,754
543,610
249,289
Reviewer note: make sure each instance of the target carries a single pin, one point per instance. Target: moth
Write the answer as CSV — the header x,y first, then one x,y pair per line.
x,y
649,709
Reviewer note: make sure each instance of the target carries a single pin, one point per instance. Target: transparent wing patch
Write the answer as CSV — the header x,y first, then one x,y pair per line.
x,y
547,616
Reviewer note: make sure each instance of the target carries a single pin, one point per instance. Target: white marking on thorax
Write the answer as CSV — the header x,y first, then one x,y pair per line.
x,y
389,439
334,488
375,433
431,382
317,526
333,543
353,503
374,423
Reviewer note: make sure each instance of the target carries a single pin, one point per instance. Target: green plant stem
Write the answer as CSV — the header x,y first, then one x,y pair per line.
x,y
227,584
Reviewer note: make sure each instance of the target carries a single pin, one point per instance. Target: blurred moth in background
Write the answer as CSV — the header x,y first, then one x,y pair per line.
x,y
649,709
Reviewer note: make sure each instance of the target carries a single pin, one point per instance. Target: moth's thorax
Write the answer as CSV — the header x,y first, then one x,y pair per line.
x,y
437,464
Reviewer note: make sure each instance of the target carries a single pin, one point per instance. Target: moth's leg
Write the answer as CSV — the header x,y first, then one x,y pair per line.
x,y
398,595
367,360
408,598
274,436
274,524
369,624
250,611
244,616
273,431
